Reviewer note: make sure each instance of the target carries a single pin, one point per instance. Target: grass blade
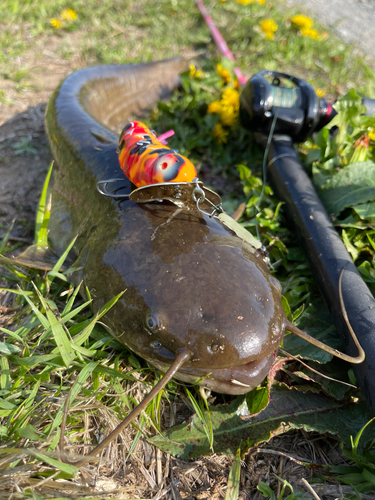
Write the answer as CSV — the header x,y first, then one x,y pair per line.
x,y
63,343
68,469
42,215
234,478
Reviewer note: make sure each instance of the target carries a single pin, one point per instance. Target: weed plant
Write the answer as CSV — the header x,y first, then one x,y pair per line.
x,y
54,345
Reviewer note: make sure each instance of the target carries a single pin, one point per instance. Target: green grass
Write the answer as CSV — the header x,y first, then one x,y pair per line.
x,y
118,31
53,343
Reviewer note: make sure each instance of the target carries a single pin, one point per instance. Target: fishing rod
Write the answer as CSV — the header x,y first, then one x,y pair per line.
x,y
299,112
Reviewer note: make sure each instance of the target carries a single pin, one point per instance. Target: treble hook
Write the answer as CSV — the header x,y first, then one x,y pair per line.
x,y
102,188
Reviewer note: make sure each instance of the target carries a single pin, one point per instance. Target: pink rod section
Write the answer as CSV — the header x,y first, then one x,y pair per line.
x,y
219,41
164,136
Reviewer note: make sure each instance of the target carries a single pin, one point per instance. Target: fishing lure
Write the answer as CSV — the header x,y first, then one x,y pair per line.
x,y
145,160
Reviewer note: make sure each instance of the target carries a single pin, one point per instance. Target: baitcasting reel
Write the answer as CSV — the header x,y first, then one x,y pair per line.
x,y
300,112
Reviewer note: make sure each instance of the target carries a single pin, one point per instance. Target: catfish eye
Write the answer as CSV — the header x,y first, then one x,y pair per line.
x,y
152,323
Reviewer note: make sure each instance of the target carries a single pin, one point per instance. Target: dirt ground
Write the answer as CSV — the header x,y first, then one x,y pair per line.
x,y
24,160
23,168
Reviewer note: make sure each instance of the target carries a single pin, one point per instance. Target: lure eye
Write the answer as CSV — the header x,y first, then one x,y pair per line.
x,y
165,161
152,323
168,166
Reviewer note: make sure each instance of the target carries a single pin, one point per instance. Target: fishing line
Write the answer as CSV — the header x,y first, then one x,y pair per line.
x,y
313,369
264,172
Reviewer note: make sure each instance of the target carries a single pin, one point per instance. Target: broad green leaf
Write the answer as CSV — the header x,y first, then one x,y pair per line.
x,y
365,210
317,322
336,369
369,476
266,491
350,186
287,409
257,399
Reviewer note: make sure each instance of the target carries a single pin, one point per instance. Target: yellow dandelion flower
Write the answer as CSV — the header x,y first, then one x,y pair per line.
x,y
214,107
236,84
195,73
230,97
69,14
229,115
310,32
319,92
224,73
269,27
302,21
246,2
55,23
220,133
371,134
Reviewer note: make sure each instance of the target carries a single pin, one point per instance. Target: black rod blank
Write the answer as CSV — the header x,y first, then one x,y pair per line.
x,y
327,257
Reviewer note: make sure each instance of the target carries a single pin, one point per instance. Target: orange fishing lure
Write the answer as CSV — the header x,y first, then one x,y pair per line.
x,y
145,160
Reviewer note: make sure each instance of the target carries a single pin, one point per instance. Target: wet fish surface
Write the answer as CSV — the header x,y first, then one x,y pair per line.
x,y
195,283
190,281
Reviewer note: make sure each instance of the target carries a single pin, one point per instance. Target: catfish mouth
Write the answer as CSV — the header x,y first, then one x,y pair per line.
x,y
233,380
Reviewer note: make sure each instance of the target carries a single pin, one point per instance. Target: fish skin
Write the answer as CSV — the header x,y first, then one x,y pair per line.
x,y
190,281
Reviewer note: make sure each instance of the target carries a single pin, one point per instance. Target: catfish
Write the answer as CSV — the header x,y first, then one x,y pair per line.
x,y
200,302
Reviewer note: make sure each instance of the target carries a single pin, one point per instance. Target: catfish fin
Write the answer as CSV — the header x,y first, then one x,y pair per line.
x,y
38,257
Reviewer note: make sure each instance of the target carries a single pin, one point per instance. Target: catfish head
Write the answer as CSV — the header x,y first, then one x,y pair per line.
x,y
200,301
191,283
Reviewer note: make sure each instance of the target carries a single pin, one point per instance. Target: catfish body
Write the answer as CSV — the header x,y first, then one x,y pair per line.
x,y
190,280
